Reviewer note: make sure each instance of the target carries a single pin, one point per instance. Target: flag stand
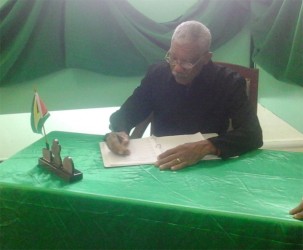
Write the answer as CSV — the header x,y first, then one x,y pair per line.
x,y
51,158
52,161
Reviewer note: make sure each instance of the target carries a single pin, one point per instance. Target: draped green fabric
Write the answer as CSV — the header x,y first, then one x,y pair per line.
x,y
112,37
31,39
105,36
277,30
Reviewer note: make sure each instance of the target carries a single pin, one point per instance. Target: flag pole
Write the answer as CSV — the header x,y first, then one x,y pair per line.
x,y
45,137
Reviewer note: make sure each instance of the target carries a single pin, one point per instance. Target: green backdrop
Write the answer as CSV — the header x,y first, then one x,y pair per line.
x,y
112,37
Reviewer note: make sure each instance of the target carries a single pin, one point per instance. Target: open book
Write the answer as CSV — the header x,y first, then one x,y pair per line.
x,y
145,150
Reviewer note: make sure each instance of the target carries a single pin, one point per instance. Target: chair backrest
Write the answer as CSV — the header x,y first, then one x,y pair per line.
x,y
251,76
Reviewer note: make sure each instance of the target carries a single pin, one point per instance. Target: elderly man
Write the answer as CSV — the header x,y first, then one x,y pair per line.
x,y
187,94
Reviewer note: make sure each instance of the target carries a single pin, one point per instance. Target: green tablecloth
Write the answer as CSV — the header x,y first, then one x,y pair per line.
x,y
240,203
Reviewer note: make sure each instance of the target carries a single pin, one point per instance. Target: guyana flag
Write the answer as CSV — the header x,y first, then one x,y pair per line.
x,y
39,114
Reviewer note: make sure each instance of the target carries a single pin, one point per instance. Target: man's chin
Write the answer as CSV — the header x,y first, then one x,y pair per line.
x,y
182,80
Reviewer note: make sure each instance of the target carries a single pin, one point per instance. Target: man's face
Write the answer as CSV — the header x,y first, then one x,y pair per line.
x,y
180,55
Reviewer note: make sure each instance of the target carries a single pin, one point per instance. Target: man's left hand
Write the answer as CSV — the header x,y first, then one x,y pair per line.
x,y
185,155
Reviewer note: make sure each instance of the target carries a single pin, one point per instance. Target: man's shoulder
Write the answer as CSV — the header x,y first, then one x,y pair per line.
x,y
159,70
160,66
222,74
217,68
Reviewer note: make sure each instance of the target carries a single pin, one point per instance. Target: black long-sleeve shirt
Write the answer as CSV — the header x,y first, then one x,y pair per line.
x,y
216,95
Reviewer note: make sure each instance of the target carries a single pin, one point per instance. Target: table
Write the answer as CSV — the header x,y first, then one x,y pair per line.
x,y
240,203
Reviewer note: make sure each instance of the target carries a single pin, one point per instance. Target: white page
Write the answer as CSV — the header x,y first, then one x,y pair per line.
x,y
142,151
168,142
146,150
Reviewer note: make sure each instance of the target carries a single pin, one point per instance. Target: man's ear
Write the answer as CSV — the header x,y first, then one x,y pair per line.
x,y
209,56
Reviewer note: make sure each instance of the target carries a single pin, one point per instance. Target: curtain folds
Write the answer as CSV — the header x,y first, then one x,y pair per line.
x,y
31,39
112,37
277,31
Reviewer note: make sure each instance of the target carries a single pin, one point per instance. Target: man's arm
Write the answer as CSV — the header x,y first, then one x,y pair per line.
x,y
246,132
136,108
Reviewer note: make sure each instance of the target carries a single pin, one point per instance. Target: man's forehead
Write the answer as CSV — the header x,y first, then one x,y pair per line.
x,y
185,50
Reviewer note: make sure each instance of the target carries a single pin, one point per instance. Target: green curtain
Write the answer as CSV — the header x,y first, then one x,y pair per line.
x,y
277,31
111,37
31,42
105,36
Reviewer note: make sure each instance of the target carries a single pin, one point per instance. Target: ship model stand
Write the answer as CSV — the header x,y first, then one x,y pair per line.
x,y
52,161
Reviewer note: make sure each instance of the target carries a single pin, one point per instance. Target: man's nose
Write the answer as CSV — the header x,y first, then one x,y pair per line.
x,y
178,68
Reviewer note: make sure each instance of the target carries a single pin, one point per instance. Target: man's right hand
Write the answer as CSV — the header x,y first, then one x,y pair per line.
x,y
117,142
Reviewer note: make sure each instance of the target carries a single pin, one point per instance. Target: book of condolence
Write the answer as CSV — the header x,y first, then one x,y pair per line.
x,y
145,150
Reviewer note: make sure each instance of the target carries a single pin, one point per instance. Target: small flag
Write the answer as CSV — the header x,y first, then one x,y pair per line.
x,y
39,114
